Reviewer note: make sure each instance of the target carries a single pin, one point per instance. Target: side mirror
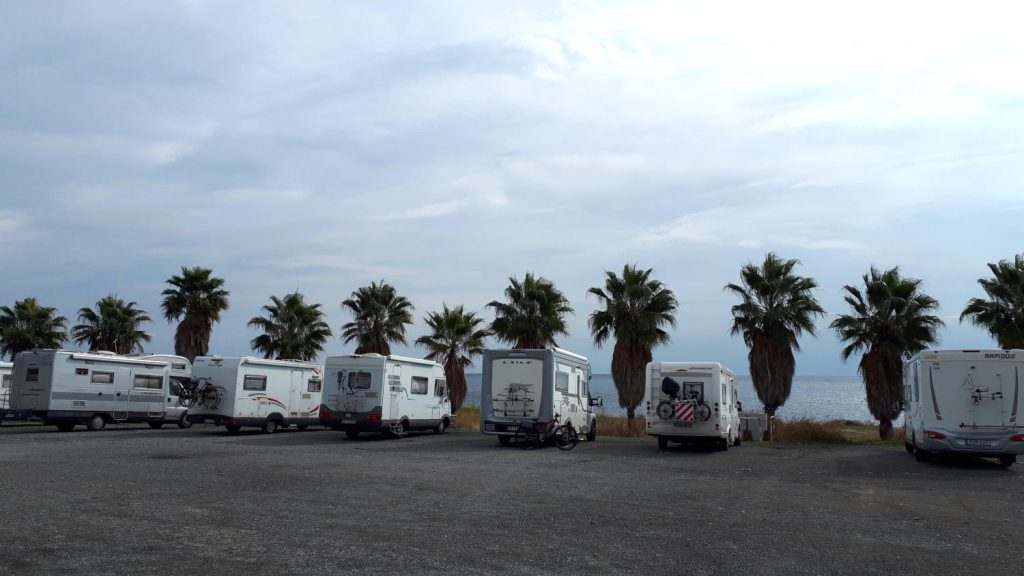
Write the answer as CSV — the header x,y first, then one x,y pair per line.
x,y
739,406
599,401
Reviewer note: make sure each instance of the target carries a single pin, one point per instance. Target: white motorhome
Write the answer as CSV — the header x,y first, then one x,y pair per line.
x,y
692,401
965,401
68,388
180,375
267,394
5,387
529,385
389,394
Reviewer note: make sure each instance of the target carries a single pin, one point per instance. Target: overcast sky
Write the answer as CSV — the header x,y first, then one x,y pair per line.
x,y
445,146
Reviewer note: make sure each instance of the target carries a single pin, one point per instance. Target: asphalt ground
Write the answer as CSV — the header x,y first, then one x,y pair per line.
x,y
137,501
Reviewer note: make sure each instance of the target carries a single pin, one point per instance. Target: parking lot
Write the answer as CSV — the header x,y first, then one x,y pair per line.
x,y
140,501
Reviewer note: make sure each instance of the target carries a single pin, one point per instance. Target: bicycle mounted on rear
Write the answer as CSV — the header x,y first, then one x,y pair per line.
x,y
537,432
199,392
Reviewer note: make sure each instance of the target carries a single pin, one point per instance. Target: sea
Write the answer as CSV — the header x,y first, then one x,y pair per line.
x,y
814,397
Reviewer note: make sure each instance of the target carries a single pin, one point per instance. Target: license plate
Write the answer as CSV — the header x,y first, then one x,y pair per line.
x,y
682,424
511,428
978,442
348,421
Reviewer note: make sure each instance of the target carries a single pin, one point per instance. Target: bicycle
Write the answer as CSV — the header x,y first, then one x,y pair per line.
x,y
200,392
534,433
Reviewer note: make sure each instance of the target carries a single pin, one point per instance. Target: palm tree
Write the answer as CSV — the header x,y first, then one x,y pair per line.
x,y
379,318
29,325
456,338
197,296
1003,313
636,308
532,315
113,325
776,307
890,323
291,328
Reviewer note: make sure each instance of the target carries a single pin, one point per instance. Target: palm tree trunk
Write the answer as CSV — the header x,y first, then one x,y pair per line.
x,y
885,429
769,430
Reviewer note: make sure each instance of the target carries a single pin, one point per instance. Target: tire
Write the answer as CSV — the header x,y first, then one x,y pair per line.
x,y
592,431
565,438
156,425
738,440
271,426
909,447
232,428
662,443
96,423
722,445
922,455
1007,461
184,422
301,427
504,440
352,434
439,429
65,426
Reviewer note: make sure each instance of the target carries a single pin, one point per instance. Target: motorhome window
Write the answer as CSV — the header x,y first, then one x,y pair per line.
x,y
177,366
253,382
693,391
419,385
439,386
102,377
562,381
32,375
359,380
6,383
147,381
81,371
314,386
177,383
917,387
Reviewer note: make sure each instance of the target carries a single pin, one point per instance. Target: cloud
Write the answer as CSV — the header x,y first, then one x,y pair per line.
x,y
428,211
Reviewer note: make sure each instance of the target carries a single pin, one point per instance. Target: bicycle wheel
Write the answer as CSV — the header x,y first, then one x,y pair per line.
x,y
565,437
186,397
702,411
210,397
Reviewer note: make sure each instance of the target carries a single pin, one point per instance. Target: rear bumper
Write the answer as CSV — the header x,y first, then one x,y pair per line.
x,y
959,443
247,422
357,421
501,427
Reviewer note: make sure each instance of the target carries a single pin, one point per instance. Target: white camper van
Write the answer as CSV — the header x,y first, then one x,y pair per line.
x,y
692,401
522,385
390,394
5,387
68,388
180,375
965,401
267,394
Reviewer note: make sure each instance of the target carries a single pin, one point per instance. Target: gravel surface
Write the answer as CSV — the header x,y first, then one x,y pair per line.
x,y
138,501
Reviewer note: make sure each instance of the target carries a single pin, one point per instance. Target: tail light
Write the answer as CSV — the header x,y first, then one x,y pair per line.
x,y
716,406
934,435
325,414
373,417
1017,438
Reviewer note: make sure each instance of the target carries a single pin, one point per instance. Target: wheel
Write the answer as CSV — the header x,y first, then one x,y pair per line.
x,y
96,423
1007,460
156,425
909,447
439,429
232,428
662,442
504,440
352,434
565,438
592,431
922,455
65,426
722,445
396,430
301,427
271,426
737,440
184,422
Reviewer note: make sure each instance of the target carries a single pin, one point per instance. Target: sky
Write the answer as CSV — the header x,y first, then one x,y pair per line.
x,y
444,147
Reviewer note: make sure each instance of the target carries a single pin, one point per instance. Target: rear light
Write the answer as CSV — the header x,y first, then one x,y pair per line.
x,y
1017,438
229,421
325,414
373,417
934,435
716,406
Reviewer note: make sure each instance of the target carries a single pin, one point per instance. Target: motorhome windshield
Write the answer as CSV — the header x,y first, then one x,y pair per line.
x,y
516,386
